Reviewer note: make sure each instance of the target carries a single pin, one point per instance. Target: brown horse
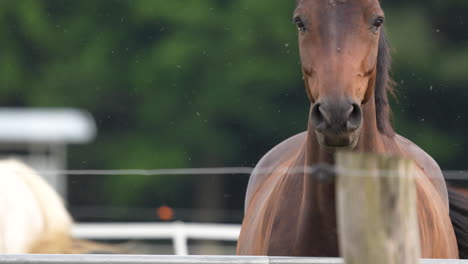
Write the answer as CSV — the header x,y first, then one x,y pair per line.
x,y
289,209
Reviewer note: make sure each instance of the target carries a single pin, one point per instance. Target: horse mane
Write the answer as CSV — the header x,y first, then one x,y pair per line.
x,y
34,219
383,86
36,208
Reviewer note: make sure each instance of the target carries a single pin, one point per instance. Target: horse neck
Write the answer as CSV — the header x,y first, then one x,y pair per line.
x,y
317,213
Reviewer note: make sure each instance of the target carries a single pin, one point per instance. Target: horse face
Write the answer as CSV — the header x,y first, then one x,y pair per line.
x,y
338,43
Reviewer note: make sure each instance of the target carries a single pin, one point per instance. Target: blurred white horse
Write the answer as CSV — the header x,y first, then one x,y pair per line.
x,y
33,218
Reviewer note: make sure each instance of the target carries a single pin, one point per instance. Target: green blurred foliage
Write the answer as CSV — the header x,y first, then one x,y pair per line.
x,y
198,83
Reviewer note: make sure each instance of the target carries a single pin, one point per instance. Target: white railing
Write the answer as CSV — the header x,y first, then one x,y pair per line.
x,y
155,259
178,232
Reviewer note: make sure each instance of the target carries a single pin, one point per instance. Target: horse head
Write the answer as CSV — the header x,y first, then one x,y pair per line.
x,y
345,61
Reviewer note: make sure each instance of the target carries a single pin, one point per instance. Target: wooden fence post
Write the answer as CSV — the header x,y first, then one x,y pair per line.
x,y
376,209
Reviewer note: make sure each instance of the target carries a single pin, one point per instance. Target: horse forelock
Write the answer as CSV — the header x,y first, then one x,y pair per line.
x,y
383,86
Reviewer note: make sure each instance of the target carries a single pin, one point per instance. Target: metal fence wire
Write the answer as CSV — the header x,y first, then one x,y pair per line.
x,y
448,174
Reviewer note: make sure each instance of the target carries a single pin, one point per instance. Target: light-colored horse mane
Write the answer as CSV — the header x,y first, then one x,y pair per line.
x,y
30,210
34,220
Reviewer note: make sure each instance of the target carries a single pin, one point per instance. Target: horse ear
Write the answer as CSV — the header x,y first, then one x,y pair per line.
x,y
383,85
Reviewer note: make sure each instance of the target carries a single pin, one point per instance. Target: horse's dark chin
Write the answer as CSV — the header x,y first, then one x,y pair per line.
x,y
338,142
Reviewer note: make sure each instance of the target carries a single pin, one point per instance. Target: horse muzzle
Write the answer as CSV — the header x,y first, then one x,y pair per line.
x,y
337,124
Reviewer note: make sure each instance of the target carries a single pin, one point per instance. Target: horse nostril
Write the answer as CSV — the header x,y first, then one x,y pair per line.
x,y
354,118
318,118
336,118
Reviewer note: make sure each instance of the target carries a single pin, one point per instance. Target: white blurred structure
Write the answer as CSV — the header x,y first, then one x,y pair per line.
x,y
39,137
178,232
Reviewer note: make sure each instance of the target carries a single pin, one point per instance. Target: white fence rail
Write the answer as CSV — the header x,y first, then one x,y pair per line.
x,y
178,232
155,259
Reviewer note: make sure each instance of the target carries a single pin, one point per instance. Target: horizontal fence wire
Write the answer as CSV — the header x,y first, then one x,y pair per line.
x,y
155,172
448,174
158,259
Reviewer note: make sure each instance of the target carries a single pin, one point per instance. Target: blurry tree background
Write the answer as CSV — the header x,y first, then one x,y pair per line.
x,y
211,83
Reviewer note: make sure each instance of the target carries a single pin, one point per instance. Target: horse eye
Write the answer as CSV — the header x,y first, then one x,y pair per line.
x,y
378,22
300,24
